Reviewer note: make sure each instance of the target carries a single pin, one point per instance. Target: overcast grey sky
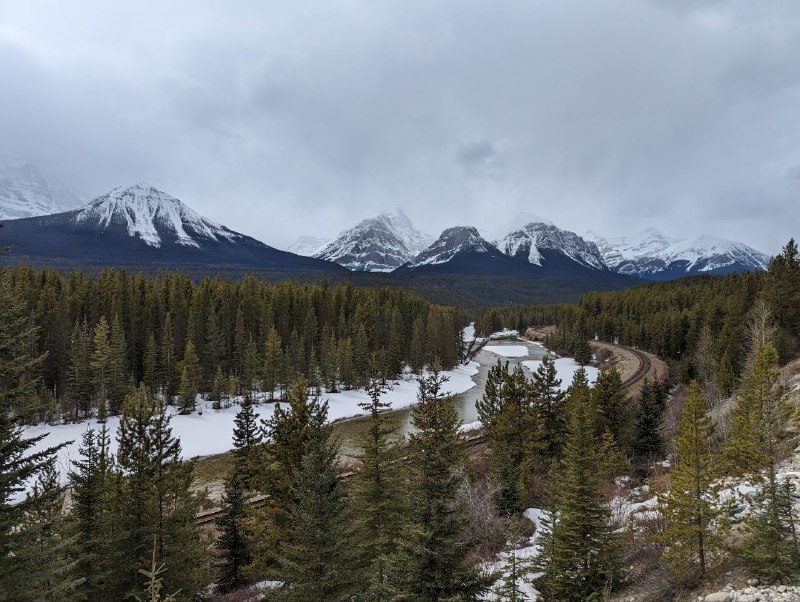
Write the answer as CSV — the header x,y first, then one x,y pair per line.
x,y
287,118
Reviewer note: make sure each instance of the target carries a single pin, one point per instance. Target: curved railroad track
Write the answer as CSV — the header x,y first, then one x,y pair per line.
x,y
644,366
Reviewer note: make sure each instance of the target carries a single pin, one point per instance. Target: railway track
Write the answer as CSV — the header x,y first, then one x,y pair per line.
x,y
208,517
644,366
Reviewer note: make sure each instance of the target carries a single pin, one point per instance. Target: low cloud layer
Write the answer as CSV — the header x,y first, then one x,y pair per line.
x,y
290,118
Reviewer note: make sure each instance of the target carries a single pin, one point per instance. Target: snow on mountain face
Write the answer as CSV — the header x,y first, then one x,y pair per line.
x,y
649,243
536,237
307,246
377,244
152,216
452,242
709,253
24,192
652,255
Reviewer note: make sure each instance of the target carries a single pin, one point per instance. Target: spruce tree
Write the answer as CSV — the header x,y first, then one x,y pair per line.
x,y
771,548
90,517
273,360
433,562
648,438
612,404
79,380
168,361
118,372
246,436
377,494
100,362
23,559
315,564
578,558
154,499
288,431
191,377
150,361
548,399
510,586
688,506
233,545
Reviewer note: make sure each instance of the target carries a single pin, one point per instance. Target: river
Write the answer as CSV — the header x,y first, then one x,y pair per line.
x,y
349,431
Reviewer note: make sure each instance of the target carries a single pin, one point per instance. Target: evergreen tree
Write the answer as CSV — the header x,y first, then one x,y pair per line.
x,y
117,366
378,500
548,399
578,559
315,563
771,549
90,479
433,563
611,401
758,419
289,431
273,362
511,422
100,363
154,499
251,367
246,436
25,568
168,359
234,548
150,376
79,380
510,586
218,388
45,553
688,505
648,441
191,376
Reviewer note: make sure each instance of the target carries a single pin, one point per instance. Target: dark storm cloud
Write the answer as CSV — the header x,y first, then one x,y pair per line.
x,y
281,119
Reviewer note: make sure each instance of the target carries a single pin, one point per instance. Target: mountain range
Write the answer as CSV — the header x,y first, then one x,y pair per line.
x,y
143,226
25,192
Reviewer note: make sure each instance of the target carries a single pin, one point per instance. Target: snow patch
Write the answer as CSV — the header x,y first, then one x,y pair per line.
x,y
566,367
508,350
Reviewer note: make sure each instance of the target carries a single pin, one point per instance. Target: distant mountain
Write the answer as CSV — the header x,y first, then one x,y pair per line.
x,y
545,245
25,192
377,244
142,226
308,245
653,256
462,250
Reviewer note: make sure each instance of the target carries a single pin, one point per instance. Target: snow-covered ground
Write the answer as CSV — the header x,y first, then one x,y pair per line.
x,y
566,368
525,555
508,350
208,431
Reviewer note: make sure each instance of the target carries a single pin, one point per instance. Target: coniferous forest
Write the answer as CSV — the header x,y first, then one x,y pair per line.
x,y
583,492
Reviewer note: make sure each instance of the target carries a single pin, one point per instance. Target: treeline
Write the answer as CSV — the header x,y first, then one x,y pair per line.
x,y
697,323
101,336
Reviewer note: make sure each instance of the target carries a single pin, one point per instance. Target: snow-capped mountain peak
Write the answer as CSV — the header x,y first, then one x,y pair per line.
x,y
376,244
652,255
452,242
151,215
24,192
537,239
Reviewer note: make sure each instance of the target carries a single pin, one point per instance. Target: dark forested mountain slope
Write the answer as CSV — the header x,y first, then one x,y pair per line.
x,y
143,226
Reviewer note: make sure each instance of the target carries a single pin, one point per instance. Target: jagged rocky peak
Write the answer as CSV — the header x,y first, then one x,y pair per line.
x,y
652,255
25,192
151,215
377,244
452,242
535,240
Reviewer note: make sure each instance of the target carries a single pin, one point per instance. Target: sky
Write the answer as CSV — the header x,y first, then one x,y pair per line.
x,y
288,118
